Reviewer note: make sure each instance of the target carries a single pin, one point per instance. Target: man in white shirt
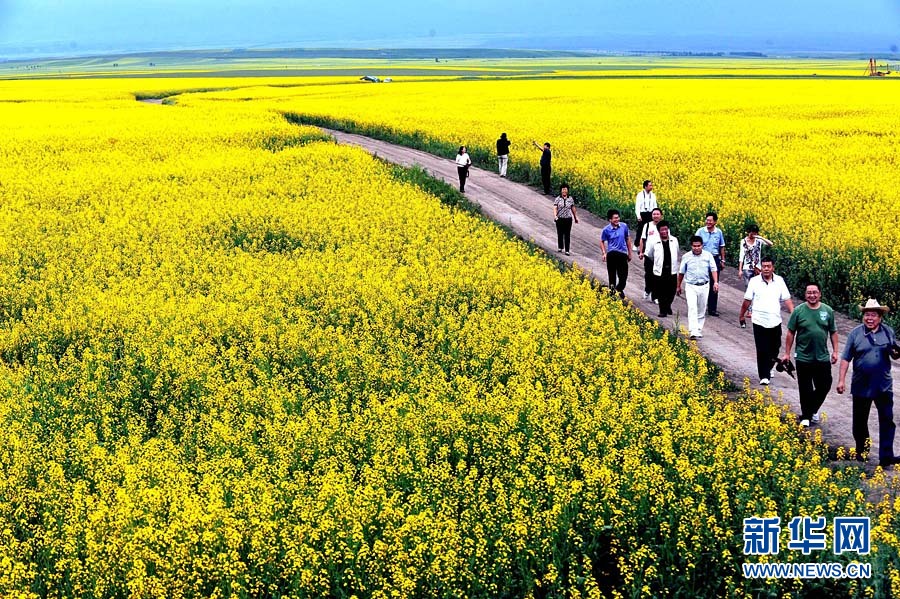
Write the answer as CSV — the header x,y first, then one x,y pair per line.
x,y
644,204
765,294
651,234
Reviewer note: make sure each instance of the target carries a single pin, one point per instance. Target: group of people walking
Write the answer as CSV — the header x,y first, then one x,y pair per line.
x,y
464,162
696,275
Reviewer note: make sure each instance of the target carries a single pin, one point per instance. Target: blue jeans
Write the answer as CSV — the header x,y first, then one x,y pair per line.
x,y
884,403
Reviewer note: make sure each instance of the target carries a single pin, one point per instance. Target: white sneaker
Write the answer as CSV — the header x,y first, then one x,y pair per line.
x,y
815,417
763,381
646,295
804,423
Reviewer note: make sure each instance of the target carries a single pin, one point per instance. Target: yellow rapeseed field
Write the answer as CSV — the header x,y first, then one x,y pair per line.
x,y
239,361
808,160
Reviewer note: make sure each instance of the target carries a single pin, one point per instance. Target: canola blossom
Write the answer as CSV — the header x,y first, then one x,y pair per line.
x,y
805,159
237,360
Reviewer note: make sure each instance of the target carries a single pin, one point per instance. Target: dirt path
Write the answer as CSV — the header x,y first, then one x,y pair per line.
x,y
530,214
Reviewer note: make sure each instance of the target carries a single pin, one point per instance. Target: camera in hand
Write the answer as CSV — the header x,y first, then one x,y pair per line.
x,y
785,366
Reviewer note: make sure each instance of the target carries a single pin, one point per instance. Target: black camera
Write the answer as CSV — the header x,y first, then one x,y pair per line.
x,y
785,366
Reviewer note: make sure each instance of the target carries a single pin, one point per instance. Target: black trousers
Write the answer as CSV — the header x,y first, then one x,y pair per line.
x,y
463,172
664,290
563,233
813,383
768,346
545,178
884,403
646,217
649,277
617,270
712,302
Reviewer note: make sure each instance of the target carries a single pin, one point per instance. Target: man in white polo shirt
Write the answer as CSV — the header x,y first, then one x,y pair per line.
x,y
765,293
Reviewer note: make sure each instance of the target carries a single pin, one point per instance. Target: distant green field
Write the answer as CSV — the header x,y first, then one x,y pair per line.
x,y
296,63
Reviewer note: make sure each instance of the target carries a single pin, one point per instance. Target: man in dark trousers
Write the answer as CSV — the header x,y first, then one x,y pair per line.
x,y
663,255
503,154
545,164
812,325
765,294
714,243
615,246
870,346
644,204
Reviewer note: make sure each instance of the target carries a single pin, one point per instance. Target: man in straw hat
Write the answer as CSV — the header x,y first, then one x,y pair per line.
x,y
870,347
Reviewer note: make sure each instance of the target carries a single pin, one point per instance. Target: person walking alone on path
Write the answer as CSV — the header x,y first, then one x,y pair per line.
x,y
503,154
869,346
564,214
644,204
463,162
714,243
811,324
750,257
546,158
765,294
615,246
663,256
697,267
651,233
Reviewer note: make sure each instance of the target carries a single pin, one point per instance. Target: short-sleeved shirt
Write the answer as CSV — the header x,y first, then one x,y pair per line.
x,y
696,267
811,328
616,238
712,241
564,206
766,300
650,234
752,254
870,353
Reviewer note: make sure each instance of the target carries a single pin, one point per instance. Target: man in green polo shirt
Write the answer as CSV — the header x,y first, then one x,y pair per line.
x,y
811,324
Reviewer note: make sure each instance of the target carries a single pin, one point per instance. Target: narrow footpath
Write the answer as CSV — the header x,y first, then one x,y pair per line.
x,y
529,214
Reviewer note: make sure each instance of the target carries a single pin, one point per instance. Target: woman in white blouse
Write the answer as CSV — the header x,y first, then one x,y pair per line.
x,y
463,162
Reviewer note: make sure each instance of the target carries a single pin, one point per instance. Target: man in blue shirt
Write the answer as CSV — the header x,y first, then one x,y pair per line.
x,y
714,243
616,249
870,347
697,267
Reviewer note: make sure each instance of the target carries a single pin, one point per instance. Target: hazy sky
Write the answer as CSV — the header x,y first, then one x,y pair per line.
x,y
84,24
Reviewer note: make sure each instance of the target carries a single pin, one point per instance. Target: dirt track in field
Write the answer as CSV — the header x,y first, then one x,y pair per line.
x,y
529,214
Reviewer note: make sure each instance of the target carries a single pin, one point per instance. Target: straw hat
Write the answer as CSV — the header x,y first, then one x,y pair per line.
x,y
873,306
